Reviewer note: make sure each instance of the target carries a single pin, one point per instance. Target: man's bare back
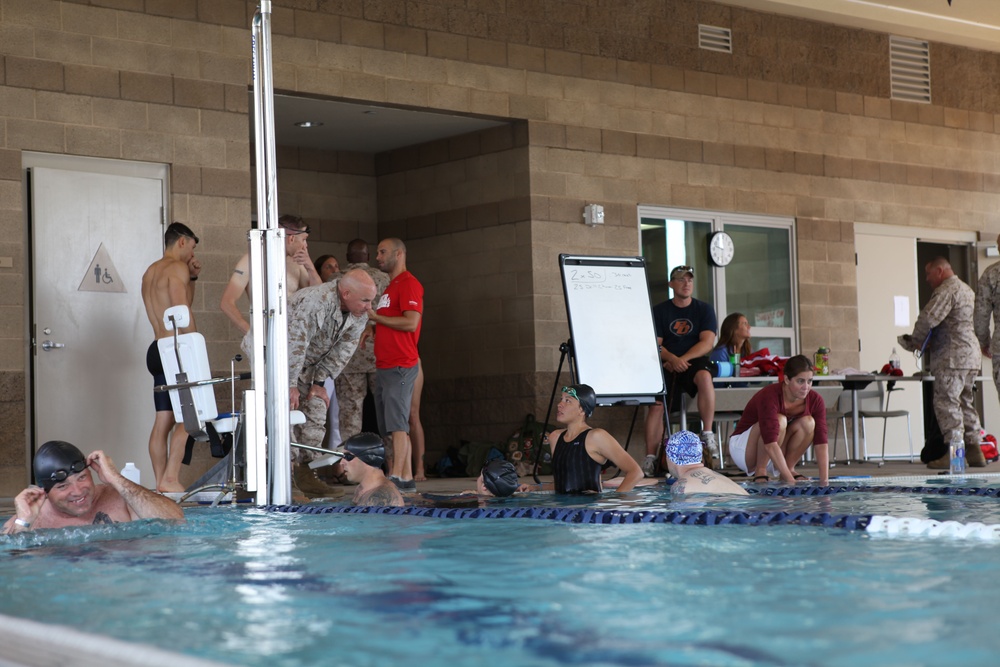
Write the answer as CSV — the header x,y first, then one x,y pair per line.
x,y
164,284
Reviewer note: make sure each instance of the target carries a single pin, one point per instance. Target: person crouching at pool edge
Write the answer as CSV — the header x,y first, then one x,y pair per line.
x,y
364,455
68,496
778,424
579,451
683,454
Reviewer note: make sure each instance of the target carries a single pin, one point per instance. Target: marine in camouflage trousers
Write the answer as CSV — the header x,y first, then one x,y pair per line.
x,y
351,391
954,406
313,431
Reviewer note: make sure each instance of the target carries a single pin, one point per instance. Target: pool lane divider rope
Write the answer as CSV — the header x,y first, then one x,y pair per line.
x,y
874,524
596,516
795,491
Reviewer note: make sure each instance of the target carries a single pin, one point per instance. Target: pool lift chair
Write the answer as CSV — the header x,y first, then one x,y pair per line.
x,y
192,396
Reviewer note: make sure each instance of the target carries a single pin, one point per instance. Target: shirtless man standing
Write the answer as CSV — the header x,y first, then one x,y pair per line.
x,y
299,272
168,282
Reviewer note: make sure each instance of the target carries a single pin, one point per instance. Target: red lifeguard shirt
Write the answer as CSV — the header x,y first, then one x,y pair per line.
x,y
394,347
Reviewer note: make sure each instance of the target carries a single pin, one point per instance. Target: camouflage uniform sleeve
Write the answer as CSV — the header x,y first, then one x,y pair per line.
x,y
985,305
302,327
933,314
341,351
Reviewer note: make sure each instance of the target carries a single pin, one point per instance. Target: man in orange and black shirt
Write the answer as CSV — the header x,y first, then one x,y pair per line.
x,y
685,328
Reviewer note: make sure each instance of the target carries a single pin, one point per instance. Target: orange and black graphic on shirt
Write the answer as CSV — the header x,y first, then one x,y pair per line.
x,y
681,327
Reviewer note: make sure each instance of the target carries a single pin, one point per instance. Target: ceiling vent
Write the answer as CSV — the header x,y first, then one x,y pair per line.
x,y
910,69
715,39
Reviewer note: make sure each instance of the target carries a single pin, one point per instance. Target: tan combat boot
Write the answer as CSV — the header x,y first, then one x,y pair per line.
x,y
974,456
306,481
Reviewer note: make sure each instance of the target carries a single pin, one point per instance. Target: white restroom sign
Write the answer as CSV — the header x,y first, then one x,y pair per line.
x,y
102,276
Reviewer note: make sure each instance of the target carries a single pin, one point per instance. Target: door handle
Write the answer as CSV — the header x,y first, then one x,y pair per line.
x,y
49,345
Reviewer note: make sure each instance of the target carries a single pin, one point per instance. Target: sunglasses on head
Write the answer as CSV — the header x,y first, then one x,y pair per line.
x,y
681,271
61,475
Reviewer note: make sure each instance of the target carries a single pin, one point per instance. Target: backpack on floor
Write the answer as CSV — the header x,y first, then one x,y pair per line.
x,y
523,445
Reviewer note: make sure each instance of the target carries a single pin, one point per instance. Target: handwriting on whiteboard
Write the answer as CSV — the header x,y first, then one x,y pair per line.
x,y
599,278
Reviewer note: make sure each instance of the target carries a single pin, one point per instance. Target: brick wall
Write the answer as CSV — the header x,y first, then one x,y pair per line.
x,y
611,103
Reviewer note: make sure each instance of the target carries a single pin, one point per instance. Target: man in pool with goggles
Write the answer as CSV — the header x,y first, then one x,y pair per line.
x,y
364,455
67,495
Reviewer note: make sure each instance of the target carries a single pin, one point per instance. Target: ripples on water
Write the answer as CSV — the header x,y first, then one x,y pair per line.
x,y
251,587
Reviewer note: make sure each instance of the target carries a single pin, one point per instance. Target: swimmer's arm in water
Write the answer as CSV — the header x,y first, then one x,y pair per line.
x,y
604,444
140,501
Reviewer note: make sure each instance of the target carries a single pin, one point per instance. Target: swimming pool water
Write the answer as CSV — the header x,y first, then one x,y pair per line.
x,y
250,587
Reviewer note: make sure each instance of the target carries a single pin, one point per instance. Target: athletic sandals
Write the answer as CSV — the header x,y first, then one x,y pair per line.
x,y
761,479
800,478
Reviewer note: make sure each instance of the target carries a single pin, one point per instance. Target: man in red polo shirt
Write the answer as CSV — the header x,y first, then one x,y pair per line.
x,y
397,320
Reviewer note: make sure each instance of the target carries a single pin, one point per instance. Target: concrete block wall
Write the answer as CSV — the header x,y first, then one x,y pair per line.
x,y
619,107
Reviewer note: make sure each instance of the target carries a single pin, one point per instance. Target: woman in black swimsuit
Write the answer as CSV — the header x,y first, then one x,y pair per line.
x,y
579,451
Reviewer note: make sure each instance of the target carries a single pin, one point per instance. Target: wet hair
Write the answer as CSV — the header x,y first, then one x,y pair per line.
x,y
55,456
175,231
727,334
366,446
797,364
500,478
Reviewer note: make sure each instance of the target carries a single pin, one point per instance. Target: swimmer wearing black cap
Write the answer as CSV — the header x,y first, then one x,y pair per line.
x,y
363,456
67,495
579,451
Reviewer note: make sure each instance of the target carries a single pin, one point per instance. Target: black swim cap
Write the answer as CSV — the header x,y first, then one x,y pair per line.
x,y
585,394
58,458
366,446
500,478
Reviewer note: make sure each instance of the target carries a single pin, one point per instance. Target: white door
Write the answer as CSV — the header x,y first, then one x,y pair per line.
x,y
887,273
96,226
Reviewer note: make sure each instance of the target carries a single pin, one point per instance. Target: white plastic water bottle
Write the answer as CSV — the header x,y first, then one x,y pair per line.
x,y
131,473
956,454
893,359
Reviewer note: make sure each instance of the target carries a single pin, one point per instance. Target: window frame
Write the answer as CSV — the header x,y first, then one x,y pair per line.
x,y
719,220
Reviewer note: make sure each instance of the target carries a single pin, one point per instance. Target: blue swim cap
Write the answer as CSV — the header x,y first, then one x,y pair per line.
x,y
684,448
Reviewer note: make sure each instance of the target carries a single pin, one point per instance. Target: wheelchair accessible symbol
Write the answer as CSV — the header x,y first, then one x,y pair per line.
x,y
102,276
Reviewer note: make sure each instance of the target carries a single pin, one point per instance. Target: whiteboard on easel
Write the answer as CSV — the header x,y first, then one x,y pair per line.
x,y
611,327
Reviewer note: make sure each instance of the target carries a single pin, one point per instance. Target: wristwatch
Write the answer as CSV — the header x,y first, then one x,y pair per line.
x,y
316,383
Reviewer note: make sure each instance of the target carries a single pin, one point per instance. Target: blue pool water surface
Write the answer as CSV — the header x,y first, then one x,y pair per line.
x,y
258,588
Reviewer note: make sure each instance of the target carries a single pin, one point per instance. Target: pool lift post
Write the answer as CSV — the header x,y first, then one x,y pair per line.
x,y
266,403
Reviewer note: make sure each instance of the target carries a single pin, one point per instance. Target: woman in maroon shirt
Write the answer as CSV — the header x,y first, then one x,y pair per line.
x,y
779,423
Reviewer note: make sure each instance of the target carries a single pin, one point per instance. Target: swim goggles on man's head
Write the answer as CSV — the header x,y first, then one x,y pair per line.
x,y
60,475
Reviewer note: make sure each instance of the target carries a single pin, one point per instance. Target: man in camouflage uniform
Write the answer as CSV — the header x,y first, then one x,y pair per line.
x,y
987,307
358,377
325,324
955,357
